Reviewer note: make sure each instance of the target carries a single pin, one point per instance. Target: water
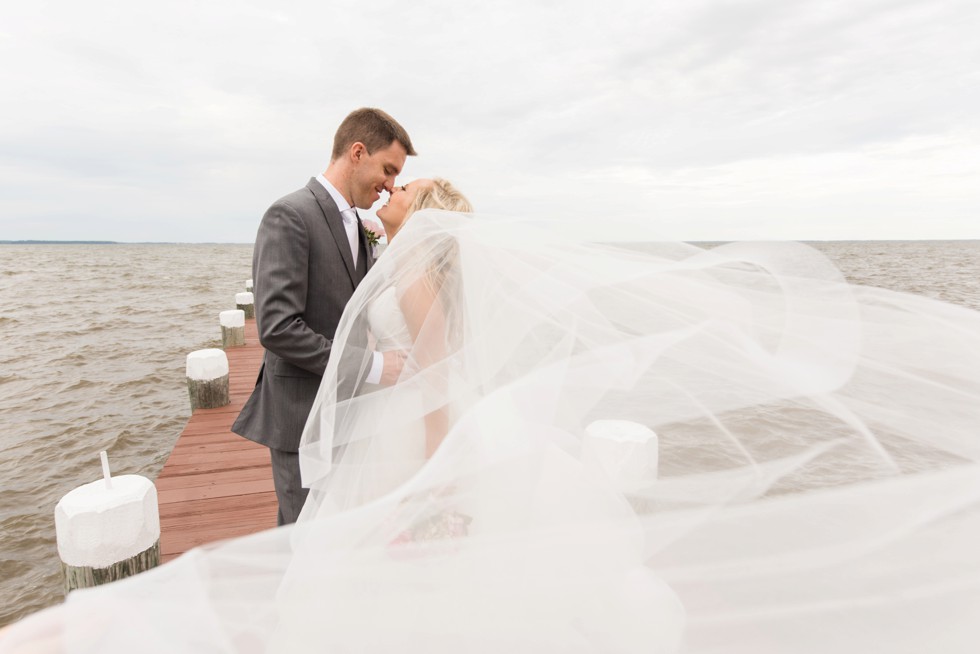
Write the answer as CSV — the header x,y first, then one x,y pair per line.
x,y
93,340
944,270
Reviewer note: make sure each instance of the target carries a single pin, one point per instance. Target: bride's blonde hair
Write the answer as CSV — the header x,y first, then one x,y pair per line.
x,y
440,195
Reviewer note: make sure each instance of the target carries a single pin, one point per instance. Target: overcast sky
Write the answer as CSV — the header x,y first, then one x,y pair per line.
x,y
766,119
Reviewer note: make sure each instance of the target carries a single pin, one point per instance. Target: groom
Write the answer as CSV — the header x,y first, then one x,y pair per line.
x,y
310,253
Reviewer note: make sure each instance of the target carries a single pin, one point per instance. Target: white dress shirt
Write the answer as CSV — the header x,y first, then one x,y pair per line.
x,y
348,213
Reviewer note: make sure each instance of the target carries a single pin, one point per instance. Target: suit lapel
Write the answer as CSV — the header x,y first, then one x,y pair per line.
x,y
335,222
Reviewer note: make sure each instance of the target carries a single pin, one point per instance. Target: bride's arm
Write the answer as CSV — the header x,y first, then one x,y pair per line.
x,y
426,320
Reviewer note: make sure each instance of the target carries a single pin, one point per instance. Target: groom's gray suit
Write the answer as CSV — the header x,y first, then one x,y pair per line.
x,y
303,274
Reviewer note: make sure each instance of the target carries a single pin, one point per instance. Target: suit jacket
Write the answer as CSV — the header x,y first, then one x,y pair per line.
x,y
303,275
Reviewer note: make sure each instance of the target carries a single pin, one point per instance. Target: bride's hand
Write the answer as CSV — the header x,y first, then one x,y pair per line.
x,y
394,362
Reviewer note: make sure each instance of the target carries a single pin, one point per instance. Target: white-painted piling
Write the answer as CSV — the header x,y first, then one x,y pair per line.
x,y
245,302
249,287
107,529
232,327
627,452
207,378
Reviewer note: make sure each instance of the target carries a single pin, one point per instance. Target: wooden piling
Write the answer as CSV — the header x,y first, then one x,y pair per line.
x,y
207,378
232,328
85,576
245,302
107,530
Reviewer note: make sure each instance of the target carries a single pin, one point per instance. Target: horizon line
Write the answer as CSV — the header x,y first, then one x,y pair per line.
x,y
701,240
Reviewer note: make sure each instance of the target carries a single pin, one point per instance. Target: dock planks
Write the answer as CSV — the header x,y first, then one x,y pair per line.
x,y
216,484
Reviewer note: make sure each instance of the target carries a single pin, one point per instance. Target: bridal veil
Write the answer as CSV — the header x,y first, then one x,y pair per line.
x,y
635,447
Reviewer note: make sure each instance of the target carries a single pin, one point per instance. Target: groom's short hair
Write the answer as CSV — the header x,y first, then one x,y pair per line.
x,y
372,127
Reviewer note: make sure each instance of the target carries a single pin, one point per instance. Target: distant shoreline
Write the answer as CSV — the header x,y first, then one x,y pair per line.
x,y
36,242
32,242
693,242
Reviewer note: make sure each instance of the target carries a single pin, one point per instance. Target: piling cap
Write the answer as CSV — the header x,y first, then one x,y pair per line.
x,y
620,431
625,451
98,526
244,298
232,318
208,364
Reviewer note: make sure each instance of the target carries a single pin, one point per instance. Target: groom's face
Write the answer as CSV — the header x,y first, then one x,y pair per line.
x,y
376,172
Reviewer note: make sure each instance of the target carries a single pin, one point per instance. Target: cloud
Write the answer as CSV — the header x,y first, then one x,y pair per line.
x,y
131,121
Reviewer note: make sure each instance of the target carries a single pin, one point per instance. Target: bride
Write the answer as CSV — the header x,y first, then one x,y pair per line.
x,y
600,446
407,313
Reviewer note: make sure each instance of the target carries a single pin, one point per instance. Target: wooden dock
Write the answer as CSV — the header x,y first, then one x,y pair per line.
x,y
216,484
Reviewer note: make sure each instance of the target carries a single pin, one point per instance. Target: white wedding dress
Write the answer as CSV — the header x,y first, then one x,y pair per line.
x,y
394,455
644,449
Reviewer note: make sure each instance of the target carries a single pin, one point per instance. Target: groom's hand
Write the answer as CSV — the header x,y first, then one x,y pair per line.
x,y
394,362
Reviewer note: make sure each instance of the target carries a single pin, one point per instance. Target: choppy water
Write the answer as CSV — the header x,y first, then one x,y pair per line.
x,y
93,340
945,270
92,347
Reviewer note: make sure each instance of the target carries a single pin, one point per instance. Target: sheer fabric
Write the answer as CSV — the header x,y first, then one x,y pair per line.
x,y
603,447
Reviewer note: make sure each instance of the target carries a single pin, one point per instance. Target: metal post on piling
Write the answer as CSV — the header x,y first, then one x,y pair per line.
x,y
245,302
107,530
207,379
232,328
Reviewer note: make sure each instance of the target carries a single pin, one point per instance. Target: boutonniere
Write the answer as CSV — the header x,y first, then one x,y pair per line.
x,y
374,231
